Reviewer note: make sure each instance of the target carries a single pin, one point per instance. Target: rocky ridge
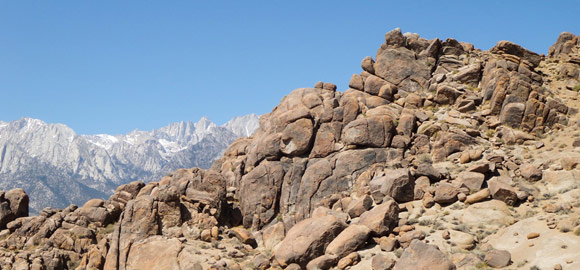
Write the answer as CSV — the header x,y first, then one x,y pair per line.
x,y
438,156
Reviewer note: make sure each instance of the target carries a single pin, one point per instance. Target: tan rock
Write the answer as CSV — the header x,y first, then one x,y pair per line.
x,y
464,158
530,172
388,244
382,261
206,235
359,206
382,218
154,253
471,180
478,196
532,235
396,183
214,232
244,236
323,262
501,190
273,234
308,240
492,213
475,154
445,193
498,258
421,256
349,260
405,239
349,240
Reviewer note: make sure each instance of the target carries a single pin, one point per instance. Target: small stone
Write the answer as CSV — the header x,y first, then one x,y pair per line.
x,y
530,172
206,235
329,86
350,259
446,235
475,154
388,244
464,158
533,235
569,261
322,262
557,267
406,228
214,232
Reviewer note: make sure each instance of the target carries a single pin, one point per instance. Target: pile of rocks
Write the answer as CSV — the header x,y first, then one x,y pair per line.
x,y
416,166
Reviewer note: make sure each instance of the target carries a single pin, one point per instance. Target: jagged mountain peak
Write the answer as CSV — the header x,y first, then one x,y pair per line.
x,y
243,126
94,165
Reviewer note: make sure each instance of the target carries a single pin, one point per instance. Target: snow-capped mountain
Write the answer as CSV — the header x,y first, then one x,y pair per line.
x,y
57,167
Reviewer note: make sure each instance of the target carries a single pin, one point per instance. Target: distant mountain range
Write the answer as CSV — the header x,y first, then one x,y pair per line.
x,y
56,166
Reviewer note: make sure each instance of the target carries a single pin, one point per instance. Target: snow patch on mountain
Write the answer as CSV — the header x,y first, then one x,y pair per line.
x,y
57,167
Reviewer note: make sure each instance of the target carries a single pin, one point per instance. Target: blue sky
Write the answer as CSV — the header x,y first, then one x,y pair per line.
x,y
114,66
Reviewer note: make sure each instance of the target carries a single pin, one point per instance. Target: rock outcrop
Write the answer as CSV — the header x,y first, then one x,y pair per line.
x,y
434,142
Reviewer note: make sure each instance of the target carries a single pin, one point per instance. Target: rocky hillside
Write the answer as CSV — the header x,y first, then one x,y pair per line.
x,y
438,156
57,167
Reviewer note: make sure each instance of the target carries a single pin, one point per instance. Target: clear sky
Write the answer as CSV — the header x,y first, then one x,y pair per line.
x,y
114,66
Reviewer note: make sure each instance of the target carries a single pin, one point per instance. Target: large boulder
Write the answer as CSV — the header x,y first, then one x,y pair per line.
x,y
530,172
500,189
259,192
13,204
349,240
95,211
563,45
512,114
372,131
498,258
359,206
139,221
297,137
492,213
448,143
307,240
154,253
421,256
445,193
207,187
471,180
382,218
507,47
400,66
396,183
